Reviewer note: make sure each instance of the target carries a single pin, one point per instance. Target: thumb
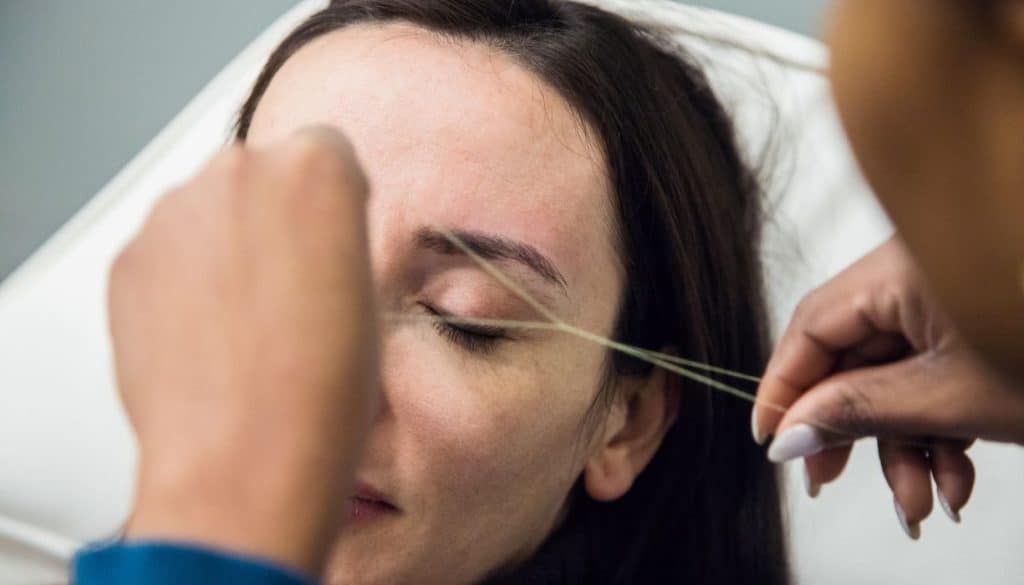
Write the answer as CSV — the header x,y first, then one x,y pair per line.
x,y
915,397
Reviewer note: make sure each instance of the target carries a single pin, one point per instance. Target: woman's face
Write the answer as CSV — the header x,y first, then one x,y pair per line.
x,y
478,440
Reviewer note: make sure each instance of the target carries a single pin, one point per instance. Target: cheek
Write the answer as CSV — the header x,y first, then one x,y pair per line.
x,y
487,434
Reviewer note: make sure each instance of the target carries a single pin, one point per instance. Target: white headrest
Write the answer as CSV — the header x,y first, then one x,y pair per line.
x,y
68,455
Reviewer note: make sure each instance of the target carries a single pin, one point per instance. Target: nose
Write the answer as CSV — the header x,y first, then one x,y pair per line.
x,y
387,374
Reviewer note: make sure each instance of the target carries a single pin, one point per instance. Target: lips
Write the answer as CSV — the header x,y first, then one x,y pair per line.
x,y
365,491
368,503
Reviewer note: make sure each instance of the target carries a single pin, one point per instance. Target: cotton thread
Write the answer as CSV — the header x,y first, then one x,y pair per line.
x,y
668,362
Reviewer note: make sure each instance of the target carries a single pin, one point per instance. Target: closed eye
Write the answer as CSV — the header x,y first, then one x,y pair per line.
x,y
474,338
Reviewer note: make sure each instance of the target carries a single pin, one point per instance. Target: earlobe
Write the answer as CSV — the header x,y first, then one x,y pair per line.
x,y
607,480
632,437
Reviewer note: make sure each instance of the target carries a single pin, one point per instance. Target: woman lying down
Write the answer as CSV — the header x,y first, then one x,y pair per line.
x,y
586,158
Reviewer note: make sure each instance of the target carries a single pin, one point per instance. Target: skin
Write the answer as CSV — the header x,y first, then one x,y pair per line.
x,y
256,382
478,451
931,94
908,344
871,353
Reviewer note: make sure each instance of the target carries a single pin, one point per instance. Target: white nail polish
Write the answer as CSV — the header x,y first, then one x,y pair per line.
x,y
798,441
913,532
944,503
755,429
813,489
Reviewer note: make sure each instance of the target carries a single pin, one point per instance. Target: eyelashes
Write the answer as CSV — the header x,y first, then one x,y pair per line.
x,y
477,339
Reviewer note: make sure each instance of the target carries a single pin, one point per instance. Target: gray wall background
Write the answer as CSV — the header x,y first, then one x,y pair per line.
x,y
84,85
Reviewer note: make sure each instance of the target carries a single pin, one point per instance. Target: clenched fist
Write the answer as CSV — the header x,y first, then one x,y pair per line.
x,y
245,345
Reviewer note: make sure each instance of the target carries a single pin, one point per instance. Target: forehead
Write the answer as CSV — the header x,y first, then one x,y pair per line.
x,y
452,132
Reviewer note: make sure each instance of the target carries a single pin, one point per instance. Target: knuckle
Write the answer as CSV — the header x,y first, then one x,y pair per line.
x,y
314,159
851,407
232,157
320,180
164,212
807,306
124,265
308,156
120,266
896,304
169,201
864,303
228,167
898,292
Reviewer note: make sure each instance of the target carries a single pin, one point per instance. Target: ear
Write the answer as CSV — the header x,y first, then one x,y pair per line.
x,y
631,435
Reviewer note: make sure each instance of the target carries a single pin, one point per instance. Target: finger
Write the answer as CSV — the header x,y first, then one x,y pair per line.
x,y
312,176
954,477
876,297
824,467
310,201
877,349
328,151
820,333
906,398
908,472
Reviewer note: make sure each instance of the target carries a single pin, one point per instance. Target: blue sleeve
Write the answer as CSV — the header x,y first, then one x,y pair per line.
x,y
164,563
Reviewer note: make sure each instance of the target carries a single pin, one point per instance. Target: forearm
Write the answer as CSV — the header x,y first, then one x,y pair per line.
x,y
245,354
285,511
932,97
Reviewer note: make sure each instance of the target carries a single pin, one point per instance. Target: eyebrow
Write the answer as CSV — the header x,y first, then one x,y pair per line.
x,y
492,247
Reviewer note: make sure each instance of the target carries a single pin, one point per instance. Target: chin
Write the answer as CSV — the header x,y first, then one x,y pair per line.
x,y
371,557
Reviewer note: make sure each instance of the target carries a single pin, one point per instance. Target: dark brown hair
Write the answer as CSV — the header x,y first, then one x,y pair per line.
x,y
707,508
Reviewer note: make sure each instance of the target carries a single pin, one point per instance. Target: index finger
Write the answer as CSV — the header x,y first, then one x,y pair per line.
x,y
824,327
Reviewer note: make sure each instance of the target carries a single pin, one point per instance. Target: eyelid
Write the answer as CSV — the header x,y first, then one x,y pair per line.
x,y
475,338
462,322
466,323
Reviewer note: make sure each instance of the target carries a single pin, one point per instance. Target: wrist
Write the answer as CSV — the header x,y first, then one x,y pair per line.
x,y
282,508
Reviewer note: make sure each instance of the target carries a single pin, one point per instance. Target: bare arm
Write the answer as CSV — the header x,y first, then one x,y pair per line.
x,y
932,97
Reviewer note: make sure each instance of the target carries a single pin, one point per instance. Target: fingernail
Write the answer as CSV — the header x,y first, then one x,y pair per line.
x,y
798,441
813,488
913,531
954,515
755,428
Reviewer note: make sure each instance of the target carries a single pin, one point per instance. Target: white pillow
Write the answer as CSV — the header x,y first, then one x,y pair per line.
x,y
68,454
